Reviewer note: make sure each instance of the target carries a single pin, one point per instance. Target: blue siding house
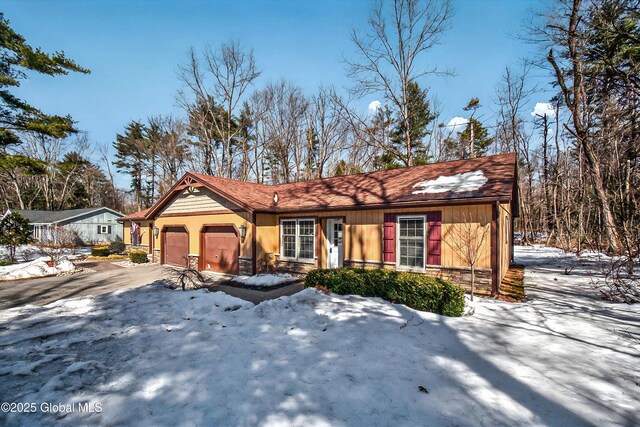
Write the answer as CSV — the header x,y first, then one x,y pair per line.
x,y
91,225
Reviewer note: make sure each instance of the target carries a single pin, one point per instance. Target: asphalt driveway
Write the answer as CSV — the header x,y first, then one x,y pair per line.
x,y
109,278
45,290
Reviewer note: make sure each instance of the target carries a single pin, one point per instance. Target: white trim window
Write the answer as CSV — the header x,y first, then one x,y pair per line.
x,y
411,242
297,239
104,229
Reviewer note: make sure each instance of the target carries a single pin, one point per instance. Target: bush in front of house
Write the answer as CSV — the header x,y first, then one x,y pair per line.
x,y
417,291
100,251
117,247
138,257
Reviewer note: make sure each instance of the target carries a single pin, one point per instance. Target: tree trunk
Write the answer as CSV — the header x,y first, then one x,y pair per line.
x,y
473,280
574,98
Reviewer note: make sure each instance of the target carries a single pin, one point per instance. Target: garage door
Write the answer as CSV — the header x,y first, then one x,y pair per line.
x,y
176,246
220,249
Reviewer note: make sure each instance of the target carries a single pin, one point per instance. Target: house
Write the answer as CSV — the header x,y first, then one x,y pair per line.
x,y
91,225
401,219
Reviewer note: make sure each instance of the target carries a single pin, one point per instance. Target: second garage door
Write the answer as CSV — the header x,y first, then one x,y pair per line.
x,y
176,246
220,247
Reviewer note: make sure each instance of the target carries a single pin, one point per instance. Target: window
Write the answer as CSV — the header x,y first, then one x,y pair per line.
x,y
298,238
411,242
289,239
104,229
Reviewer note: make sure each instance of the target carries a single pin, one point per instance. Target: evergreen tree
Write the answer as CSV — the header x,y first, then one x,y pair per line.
x,y
481,138
130,155
14,231
344,168
419,118
380,131
459,147
16,115
14,169
72,192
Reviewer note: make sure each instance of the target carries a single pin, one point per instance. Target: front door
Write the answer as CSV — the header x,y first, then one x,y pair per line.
x,y
335,247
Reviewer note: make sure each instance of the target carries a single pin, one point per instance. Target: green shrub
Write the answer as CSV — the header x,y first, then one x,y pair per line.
x,y
138,257
117,247
417,291
100,251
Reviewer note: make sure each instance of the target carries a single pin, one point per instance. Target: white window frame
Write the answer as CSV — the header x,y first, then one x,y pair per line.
x,y
297,240
104,229
424,243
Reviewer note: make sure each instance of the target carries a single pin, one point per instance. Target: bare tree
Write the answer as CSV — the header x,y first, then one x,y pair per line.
x,y
215,85
389,54
329,131
64,239
565,32
284,131
171,150
467,238
512,95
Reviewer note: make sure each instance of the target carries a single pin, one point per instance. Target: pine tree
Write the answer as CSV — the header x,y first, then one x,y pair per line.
x,y
130,154
14,231
459,147
398,153
16,115
419,119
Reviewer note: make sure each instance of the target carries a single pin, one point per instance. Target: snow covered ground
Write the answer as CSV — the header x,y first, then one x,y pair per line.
x,y
36,268
152,356
265,280
30,252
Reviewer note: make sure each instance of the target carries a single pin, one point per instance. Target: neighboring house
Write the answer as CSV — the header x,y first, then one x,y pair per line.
x,y
400,219
92,225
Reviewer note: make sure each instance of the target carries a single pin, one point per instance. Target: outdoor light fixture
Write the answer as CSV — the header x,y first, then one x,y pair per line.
x,y
243,232
156,231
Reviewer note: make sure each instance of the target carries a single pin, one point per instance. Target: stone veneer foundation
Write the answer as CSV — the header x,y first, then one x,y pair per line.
x,y
245,266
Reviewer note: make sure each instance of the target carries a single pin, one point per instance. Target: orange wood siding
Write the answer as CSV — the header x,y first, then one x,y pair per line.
x,y
322,253
505,239
195,223
363,232
267,237
144,229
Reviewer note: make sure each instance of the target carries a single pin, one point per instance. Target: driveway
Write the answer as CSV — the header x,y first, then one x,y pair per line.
x,y
111,278
49,289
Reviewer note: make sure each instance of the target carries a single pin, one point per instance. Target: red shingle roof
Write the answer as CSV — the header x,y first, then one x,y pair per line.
x,y
136,215
396,186
374,189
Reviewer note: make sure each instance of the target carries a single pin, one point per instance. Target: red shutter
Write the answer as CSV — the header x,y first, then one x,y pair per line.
x,y
434,237
389,238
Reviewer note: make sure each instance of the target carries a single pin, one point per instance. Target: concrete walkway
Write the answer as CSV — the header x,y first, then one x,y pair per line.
x,y
99,266
256,296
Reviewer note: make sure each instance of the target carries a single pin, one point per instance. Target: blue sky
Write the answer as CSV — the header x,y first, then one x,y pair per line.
x,y
133,48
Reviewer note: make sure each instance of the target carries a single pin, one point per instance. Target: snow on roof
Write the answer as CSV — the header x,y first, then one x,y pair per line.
x,y
469,181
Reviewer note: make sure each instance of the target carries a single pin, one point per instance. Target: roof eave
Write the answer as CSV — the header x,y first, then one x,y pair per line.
x,y
391,205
